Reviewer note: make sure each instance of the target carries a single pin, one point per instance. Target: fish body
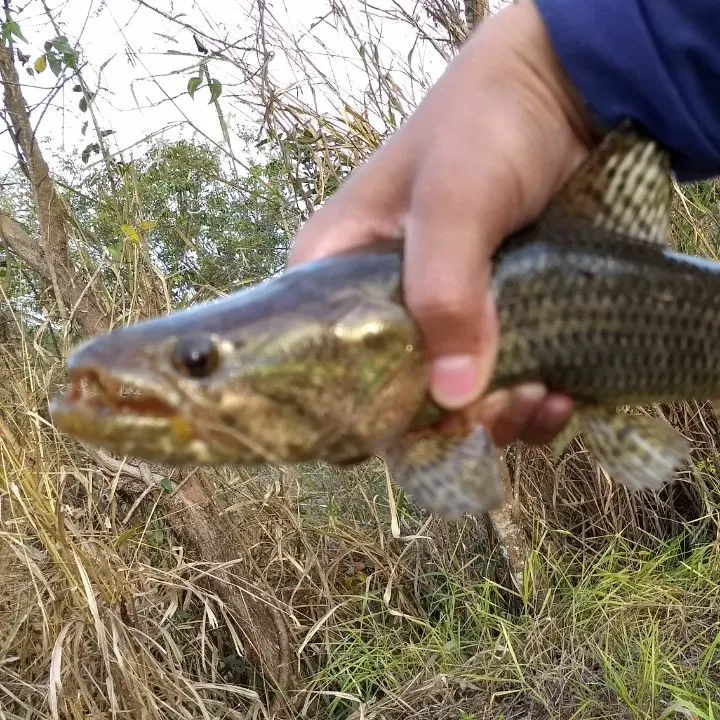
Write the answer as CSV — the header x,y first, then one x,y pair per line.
x,y
326,363
606,321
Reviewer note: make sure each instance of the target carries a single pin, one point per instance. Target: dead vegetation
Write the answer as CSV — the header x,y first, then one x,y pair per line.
x,y
135,591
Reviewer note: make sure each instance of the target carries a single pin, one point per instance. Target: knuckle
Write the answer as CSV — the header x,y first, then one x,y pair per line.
x,y
448,319
444,304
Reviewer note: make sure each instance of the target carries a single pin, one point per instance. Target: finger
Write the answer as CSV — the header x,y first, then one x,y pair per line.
x,y
522,404
460,211
526,412
551,417
457,378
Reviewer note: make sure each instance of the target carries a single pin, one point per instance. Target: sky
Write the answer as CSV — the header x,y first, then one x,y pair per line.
x,y
141,61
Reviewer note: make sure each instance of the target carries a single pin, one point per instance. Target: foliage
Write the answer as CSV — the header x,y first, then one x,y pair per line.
x,y
205,231
417,625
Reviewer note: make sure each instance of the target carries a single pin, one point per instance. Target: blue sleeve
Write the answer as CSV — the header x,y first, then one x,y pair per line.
x,y
656,62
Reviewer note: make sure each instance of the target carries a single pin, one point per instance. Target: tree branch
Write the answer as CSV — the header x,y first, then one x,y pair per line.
x,y
19,242
49,255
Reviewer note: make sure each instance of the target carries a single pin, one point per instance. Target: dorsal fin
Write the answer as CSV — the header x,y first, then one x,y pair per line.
x,y
624,186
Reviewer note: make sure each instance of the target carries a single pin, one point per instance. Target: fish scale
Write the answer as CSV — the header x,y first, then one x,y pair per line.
x,y
602,323
326,363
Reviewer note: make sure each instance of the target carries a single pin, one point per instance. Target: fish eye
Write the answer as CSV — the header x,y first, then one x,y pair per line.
x,y
196,355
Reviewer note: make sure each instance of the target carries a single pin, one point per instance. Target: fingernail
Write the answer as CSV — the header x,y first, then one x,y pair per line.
x,y
454,380
529,393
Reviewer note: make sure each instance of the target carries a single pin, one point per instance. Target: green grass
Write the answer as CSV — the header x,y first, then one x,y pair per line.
x,y
626,633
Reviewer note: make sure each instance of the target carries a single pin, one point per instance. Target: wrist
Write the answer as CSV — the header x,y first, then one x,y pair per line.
x,y
528,40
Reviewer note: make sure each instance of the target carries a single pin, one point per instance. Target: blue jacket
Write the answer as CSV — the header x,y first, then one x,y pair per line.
x,y
654,61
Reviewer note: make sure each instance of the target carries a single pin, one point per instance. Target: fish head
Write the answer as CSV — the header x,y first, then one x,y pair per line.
x,y
322,362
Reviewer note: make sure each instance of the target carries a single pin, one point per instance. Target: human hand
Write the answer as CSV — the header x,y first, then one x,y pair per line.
x,y
485,151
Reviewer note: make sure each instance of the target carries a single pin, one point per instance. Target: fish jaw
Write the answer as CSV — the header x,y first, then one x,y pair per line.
x,y
130,417
142,416
309,366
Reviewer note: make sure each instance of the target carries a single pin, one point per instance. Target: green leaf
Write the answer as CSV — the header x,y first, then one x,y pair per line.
x,y
61,44
145,225
83,104
84,127
166,485
131,233
70,59
193,85
11,28
54,63
215,90
116,251
40,64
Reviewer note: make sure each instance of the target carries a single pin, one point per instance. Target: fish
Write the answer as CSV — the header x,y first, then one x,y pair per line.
x,y
324,362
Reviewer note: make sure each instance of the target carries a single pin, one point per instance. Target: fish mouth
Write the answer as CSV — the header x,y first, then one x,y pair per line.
x,y
135,415
96,393
94,400
102,407
126,415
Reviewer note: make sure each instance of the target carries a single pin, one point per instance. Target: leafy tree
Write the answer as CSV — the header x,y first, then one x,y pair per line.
x,y
202,229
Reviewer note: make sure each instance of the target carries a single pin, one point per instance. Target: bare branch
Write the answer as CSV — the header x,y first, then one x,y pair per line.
x,y
18,241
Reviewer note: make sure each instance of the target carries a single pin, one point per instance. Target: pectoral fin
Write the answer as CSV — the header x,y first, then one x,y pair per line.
x,y
638,451
565,437
448,475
